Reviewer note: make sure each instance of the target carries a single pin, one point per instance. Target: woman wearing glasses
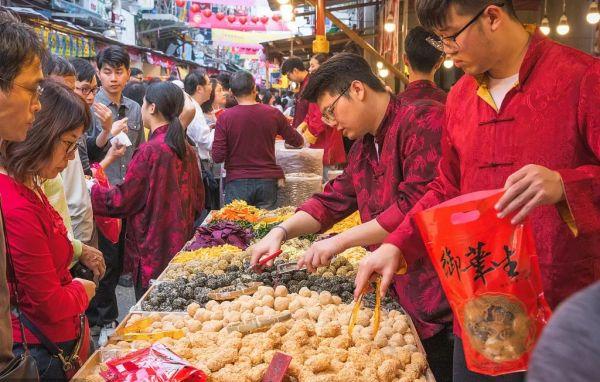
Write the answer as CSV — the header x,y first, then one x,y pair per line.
x,y
37,238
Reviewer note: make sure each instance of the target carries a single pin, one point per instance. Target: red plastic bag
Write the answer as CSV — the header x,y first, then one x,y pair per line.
x,y
490,273
153,364
110,227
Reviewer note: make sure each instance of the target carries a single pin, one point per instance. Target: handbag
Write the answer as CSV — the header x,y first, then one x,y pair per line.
x,y
82,272
23,367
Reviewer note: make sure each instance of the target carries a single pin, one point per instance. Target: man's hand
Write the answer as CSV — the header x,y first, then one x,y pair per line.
x,y
269,244
89,286
528,188
320,253
104,115
118,126
93,259
385,261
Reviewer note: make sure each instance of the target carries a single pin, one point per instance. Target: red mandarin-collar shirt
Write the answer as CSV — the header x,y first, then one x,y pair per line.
x,y
324,137
41,253
395,165
301,105
550,118
424,89
160,197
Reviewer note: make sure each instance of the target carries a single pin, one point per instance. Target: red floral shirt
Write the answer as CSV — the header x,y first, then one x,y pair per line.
x,y
393,167
160,198
423,89
551,119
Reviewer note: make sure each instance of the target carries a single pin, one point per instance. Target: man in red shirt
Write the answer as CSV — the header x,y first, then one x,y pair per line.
x,y
394,158
296,72
523,118
245,141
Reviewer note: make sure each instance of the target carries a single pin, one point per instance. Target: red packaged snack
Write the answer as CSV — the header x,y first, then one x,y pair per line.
x,y
153,364
110,227
489,271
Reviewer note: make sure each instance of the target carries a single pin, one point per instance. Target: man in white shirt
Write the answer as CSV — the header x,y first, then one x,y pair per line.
x,y
197,85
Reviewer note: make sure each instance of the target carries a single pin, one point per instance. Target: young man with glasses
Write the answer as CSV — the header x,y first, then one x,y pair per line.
x,y
394,158
524,118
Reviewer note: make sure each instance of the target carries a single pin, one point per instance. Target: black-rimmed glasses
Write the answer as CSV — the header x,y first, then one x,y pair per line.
x,y
328,115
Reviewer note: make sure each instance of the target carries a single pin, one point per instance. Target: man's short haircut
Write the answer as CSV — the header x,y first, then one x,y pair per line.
x,y
337,74
421,55
85,71
432,13
224,79
115,56
195,78
19,47
242,83
54,65
136,71
292,63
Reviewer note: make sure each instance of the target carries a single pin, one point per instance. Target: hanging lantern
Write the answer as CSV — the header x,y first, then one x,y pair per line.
x,y
243,20
220,16
254,19
195,7
207,13
593,15
276,18
264,19
180,3
231,18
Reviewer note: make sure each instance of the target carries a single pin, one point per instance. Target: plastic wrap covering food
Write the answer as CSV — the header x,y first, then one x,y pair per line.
x,y
298,187
309,161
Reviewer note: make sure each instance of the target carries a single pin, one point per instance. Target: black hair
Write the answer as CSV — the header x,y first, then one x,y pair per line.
x,y
19,47
432,13
242,83
230,101
275,56
224,79
337,74
320,58
136,71
267,97
153,80
135,91
115,56
54,65
292,63
85,71
169,101
421,55
352,47
208,105
194,79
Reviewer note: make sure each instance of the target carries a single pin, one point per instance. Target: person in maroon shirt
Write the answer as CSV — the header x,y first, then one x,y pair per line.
x,y
524,118
162,193
422,61
296,72
394,158
36,235
245,141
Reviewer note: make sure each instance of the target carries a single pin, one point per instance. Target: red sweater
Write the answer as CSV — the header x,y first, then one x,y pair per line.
x,y
245,141
41,253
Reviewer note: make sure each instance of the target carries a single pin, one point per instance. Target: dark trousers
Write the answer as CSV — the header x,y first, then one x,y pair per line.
x,y
439,349
462,374
103,308
137,285
261,193
49,368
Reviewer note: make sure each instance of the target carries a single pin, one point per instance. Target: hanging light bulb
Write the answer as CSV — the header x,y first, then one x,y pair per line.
x,y
283,1
389,25
448,63
545,26
383,73
593,15
287,12
563,26
379,65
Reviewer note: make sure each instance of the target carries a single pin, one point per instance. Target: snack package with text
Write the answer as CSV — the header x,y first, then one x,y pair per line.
x,y
110,227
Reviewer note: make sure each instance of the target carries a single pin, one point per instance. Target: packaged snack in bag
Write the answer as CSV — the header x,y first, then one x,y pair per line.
x,y
153,364
490,273
110,227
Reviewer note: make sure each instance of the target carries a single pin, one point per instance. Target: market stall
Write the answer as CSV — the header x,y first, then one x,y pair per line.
x,y
214,313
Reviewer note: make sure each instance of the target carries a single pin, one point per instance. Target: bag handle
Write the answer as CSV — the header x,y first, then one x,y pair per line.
x,y
445,214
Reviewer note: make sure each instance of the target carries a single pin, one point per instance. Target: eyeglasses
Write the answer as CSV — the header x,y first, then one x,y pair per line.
x,y
450,42
71,147
86,91
328,115
35,93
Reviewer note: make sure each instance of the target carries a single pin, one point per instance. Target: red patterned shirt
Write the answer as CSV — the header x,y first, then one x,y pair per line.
x,y
394,166
160,198
549,119
423,89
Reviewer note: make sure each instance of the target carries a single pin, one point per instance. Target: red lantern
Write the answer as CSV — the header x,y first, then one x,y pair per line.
x,y
254,19
231,18
207,13
264,19
276,18
195,7
220,16
180,3
243,20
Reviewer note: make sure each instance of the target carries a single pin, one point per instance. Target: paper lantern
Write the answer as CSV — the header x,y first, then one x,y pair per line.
x,y
276,18
180,3
220,16
243,20
207,13
231,18
254,19
264,19
195,7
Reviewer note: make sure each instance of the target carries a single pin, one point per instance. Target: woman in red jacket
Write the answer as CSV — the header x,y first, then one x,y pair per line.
x,y
162,193
35,233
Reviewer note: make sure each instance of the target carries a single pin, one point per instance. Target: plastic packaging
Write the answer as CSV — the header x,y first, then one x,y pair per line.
x,y
308,161
298,187
489,271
